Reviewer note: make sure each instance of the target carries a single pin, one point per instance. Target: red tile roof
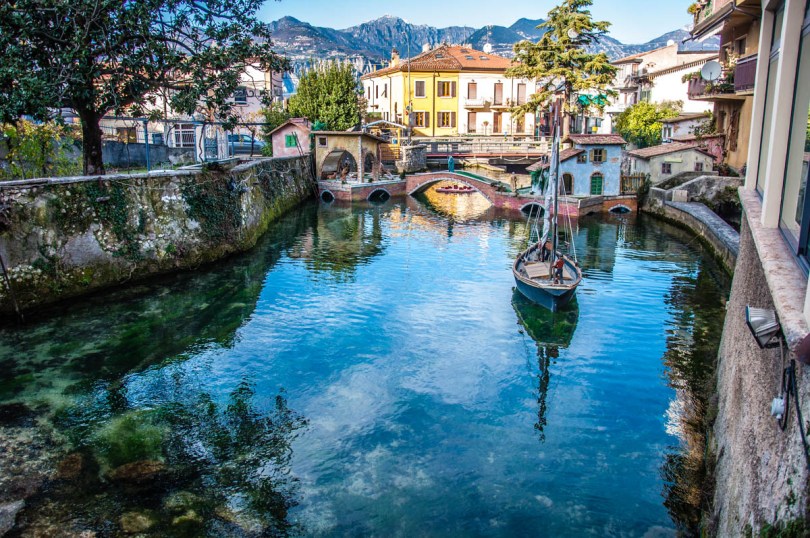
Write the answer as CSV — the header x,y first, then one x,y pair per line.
x,y
564,156
448,58
664,149
596,139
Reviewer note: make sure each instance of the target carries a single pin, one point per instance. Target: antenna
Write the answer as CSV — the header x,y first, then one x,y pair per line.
x,y
711,71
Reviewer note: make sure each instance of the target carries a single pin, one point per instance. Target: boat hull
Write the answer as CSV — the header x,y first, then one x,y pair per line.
x,y
551,298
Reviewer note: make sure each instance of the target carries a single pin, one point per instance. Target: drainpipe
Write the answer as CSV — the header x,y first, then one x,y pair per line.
x,y
433,108
360,157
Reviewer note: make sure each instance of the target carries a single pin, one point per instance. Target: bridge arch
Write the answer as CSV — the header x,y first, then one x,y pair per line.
x,y
620,208
379,194
327,196
532,208
423,186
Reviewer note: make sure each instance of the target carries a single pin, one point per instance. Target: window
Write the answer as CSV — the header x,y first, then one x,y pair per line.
x,y
291,140
421,119
699,167
184,135
596,184
598,155
794,218
240,95
385,90
770,88
498,94
419,88
485,58
446,88
472,90
376,92
472,119
322,141
582,158
568,183
521,94
446,120
127,135
666,168
645,96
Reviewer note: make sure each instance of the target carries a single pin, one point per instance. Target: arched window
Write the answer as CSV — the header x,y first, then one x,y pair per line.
x,y
597,184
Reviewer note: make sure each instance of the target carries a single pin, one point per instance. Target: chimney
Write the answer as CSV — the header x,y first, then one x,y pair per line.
x,y
394,58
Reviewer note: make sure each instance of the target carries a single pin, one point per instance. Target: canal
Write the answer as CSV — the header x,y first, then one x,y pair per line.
x,y
369,370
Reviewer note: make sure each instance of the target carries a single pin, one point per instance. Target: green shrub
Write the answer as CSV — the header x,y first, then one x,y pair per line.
x,y
130,437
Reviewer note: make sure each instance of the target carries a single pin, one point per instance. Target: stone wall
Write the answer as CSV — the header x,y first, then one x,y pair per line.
x,y
68,236
761,472
412,159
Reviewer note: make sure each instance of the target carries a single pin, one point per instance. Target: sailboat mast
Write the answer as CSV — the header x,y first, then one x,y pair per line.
x,y
556,187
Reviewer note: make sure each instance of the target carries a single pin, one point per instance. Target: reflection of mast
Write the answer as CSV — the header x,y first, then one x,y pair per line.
x,y
544,356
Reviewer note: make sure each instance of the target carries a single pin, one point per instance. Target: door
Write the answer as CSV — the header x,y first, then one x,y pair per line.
x,y
496,123
498,93
568,184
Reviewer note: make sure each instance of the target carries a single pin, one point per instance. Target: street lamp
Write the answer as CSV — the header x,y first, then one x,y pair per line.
x,y
409,108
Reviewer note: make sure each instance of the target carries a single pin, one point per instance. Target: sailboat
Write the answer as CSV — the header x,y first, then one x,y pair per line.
x,y
542,273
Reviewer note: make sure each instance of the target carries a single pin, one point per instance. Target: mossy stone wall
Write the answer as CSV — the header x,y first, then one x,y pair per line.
x,y
64,237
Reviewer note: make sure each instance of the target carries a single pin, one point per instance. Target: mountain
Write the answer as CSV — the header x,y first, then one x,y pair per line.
x,y
368,45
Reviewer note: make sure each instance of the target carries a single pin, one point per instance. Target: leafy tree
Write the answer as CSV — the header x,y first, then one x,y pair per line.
x,y
101,56
328,93
37,150
641,124
560,63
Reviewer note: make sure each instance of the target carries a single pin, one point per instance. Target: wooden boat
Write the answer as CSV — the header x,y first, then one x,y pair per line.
x,y
455,189
533,269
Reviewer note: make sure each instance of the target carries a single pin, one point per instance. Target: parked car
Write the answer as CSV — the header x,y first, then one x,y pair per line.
x,y
241,144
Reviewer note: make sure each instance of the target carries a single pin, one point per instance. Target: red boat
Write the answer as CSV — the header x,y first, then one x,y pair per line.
x,y
455,189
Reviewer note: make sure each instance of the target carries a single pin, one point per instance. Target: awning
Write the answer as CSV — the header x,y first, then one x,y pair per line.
x,y
713,24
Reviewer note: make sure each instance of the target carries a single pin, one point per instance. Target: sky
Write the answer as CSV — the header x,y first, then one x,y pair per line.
x,y
633,21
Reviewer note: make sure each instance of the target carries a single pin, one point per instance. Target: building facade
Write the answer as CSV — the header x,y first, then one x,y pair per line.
x,y
761,467
664,161
448,91
738,23
655,76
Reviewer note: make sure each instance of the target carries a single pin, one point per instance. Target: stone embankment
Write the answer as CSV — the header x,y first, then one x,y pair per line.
x,y
65,237
683,205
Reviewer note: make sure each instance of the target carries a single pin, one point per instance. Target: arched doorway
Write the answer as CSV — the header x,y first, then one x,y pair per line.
x,y
568,184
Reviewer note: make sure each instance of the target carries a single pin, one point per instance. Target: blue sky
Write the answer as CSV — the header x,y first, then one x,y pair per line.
x,y
633,21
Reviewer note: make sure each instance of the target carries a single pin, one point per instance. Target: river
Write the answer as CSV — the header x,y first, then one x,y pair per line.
x,y
369,371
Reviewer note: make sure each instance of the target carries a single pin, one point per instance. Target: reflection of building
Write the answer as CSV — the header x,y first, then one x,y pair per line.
x,y
451,90
772,273
664,161
739,25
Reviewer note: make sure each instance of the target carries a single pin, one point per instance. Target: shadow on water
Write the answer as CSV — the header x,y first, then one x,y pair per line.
x,y
551,331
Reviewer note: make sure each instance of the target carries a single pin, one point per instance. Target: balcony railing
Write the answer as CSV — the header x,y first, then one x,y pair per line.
x,y
745,73
707,9
699,88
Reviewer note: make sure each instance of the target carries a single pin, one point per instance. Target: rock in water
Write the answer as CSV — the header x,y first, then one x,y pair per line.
x,y
138,472
136,522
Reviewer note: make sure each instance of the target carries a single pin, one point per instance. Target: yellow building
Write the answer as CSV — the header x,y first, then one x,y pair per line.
x,y
447,91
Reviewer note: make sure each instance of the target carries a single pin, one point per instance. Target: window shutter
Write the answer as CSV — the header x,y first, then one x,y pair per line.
x,y
590,155
452,89
453,118
427,119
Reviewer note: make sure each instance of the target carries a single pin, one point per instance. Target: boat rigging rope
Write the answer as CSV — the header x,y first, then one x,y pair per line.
x,y
570,226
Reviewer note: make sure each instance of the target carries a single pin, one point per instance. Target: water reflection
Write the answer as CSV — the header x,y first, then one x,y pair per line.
x,y
551,332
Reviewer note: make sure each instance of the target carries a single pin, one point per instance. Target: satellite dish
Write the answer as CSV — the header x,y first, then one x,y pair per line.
x,y
711,71
488,48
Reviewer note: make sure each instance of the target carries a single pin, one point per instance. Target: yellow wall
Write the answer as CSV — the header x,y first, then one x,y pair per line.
x,y
431,103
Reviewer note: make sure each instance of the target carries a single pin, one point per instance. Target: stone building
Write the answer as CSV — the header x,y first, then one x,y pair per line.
x,y
666,160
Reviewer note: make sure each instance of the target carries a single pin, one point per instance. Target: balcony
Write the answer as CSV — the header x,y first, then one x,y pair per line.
x,y
477,102
745,73
703,9
720,89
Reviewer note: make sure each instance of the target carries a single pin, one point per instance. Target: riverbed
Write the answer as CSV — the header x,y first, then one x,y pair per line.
x,y
370,370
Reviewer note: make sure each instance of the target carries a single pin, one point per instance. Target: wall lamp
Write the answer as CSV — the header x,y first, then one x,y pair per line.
x,y
763,325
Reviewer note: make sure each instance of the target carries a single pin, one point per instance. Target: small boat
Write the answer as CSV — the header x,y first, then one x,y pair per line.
x,y
455,189
542,273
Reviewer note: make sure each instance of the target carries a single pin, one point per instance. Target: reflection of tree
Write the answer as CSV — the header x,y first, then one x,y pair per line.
x,y
698,308
343,239
551,331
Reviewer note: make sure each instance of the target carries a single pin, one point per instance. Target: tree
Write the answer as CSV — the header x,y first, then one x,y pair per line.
x,y
641,124
560,63
328,93
101,56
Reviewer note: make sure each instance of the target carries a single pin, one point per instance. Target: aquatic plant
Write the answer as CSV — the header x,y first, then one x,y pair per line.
x,y
130,437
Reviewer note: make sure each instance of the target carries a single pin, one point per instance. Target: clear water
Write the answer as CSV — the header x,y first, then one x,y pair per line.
x,y
369,371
